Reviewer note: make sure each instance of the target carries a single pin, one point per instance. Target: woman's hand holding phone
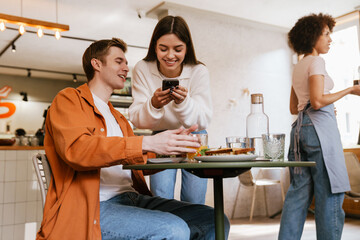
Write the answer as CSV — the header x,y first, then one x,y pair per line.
x,y
171,90
161,98
179,94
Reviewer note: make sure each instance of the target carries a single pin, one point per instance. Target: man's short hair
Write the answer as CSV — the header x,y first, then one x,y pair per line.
x,y
99,50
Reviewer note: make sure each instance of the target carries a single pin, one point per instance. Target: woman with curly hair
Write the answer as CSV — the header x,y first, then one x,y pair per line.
x,y
315,136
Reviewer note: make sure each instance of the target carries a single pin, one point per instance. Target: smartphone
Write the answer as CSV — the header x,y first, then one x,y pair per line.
x,y
169,83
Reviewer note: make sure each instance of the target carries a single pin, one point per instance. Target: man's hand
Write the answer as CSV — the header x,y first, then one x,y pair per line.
x,y
187,131
171,142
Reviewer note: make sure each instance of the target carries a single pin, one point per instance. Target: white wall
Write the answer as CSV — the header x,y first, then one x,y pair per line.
x,y
29,115
241,57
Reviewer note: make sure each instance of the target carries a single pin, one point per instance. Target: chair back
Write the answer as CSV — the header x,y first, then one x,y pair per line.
x,y
246,178
43,173
353,168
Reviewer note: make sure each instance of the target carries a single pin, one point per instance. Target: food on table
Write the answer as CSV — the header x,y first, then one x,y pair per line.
x,y
199,152
237,151
228,151
219,151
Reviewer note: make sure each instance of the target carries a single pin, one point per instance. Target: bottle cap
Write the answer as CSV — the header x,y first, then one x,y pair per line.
x,y
256,98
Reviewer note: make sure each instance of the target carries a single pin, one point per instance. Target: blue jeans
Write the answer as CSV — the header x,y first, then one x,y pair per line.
x,y
311,181
193,188
134,216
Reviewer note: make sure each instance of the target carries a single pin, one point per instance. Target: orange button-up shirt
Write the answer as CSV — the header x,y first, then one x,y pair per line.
x,y
77,147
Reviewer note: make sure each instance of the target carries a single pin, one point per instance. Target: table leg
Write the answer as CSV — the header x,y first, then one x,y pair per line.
x,y
219,208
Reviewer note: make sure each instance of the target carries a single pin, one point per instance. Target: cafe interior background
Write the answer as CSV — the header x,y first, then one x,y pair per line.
x,y
243,44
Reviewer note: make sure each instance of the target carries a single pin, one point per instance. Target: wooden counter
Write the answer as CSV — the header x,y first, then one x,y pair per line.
x,y
354,150
21,148
351,206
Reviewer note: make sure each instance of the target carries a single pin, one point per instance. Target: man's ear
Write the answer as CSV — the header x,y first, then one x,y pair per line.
x,y
96,64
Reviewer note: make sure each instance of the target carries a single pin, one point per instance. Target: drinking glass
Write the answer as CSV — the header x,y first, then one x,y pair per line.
x,y
24,141
237,142
274,145
203,140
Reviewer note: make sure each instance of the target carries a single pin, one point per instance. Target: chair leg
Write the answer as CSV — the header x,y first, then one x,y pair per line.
x,y
282,192
236,198
281,186
253,203
265,198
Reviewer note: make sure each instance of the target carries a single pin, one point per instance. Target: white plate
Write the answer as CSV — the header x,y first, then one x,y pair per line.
x,y
227,158
166,160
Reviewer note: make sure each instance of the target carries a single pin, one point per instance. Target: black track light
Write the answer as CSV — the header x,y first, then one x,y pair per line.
x,y
13,47
74,78
29,73
24,94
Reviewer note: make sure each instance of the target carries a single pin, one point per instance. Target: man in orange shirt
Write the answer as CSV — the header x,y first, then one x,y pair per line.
x,y
87,141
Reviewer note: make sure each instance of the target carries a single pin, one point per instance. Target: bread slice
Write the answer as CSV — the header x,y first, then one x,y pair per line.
x,y
237,151
228,151
220,151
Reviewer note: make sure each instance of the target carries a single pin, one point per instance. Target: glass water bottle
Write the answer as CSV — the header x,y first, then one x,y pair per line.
x,y
257,123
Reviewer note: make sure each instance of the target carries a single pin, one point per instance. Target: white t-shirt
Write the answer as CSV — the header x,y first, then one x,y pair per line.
x,y
114,180
306,67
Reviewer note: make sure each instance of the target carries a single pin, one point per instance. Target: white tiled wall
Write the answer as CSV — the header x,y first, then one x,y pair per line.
x,y
20,199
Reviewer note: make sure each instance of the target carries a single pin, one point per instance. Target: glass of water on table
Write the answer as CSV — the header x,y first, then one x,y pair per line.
x,y
237,142
274,145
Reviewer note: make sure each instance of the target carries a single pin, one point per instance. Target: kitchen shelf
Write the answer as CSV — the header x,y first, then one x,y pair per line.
x,y
121,101
142,132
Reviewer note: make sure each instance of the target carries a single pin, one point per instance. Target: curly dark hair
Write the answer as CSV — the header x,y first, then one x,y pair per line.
x,y
307,30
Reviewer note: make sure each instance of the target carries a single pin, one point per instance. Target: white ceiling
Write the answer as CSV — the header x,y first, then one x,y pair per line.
x,y
98,19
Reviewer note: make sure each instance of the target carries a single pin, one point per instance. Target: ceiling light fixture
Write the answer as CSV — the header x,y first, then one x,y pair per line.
x,y
40,32
2,26
57,35
74,78
22,29
13,47
28,22
29,73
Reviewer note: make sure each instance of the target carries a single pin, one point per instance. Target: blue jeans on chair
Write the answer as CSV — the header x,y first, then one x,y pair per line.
x,y
311,181
193,188
133,216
